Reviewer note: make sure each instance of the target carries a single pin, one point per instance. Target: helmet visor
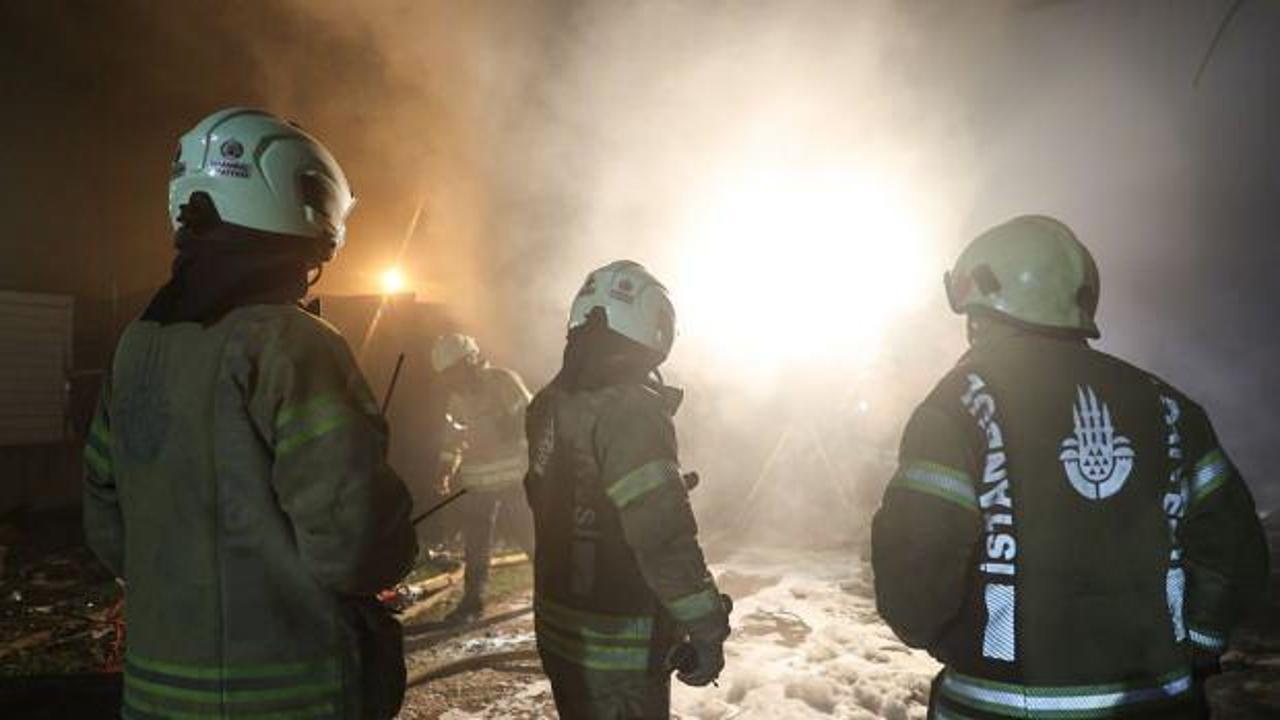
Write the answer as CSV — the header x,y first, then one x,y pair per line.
x,y
322,196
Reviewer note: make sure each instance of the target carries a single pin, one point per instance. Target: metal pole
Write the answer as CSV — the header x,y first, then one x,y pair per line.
x,y
438,506
391,387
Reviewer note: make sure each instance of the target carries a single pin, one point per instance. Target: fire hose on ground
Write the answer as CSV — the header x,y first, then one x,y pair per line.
x,y
468,664
419,639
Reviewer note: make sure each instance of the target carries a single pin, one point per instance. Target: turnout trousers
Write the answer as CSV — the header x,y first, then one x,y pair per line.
x,y
583,694
483,511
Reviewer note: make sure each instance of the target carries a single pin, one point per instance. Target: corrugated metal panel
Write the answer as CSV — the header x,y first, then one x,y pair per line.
x,y
35,352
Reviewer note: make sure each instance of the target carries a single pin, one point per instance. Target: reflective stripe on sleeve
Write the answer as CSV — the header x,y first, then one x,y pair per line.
x,y
1081,701
299,424
642,481
97,461
940,481
1209,474
97,447
100,428
694,606
1206,639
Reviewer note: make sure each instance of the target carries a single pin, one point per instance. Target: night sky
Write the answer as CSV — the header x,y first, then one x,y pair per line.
x,y
1083,109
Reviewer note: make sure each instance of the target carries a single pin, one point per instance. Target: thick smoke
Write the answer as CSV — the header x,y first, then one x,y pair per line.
x,y
537,140
597,129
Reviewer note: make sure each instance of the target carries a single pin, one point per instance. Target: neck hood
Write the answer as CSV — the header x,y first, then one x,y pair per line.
x,y
226,266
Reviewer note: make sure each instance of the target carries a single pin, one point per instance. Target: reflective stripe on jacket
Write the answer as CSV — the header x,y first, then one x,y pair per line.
x,y
496,453
1064,532
236,478
618,571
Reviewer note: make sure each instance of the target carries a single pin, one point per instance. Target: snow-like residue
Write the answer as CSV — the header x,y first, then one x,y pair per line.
x,y
806,643
497,642
810,645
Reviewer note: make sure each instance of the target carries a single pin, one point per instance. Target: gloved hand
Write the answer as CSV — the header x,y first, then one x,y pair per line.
x,y
699,660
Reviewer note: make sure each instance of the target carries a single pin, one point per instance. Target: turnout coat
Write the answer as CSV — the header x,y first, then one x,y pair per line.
x,y
236,480
1066,534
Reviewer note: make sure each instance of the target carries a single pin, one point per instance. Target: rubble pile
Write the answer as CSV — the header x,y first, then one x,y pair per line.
x,y
60,614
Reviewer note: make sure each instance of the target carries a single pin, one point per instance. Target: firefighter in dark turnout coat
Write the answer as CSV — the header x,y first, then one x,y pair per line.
x,y
1064,530
236,466
619,575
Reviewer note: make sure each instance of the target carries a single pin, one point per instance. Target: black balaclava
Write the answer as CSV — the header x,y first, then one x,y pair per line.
x,y
596,357
220,267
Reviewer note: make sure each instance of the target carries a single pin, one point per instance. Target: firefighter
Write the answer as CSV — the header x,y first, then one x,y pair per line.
x,y
619,575
487,457
236,474
1064,531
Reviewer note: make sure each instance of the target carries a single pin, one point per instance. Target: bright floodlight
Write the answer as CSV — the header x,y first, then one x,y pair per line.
x,y
785,267
392,281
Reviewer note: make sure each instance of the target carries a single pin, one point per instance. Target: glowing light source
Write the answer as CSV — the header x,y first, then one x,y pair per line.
x,y
783,268
392,281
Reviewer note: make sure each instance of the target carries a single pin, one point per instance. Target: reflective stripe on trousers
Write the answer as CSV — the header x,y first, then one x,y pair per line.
x,y
592,640
283,690
1083,701
584,694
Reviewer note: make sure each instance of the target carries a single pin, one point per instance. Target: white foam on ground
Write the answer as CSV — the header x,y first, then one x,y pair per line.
x,y
497,642
848,665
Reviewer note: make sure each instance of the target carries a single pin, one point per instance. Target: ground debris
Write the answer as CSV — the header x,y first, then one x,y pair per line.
x,y
59,615
807,644
487,670
32,640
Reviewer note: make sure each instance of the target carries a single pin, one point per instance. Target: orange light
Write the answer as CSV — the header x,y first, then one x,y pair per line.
x,y
392,281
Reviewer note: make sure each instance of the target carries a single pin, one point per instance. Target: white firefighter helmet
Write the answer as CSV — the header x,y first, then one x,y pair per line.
x,y
635,305
453,348
1033,270
264,173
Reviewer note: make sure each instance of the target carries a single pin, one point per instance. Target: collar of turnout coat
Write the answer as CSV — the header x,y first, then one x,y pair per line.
x,y
225,267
